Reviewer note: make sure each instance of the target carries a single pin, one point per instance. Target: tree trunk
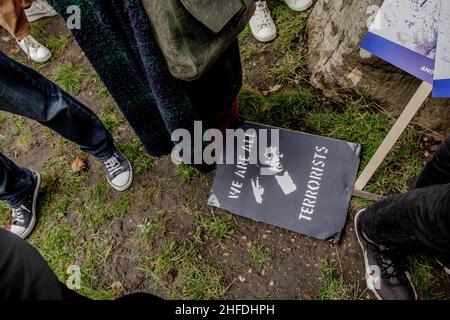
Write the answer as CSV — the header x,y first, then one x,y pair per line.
x,y
339,67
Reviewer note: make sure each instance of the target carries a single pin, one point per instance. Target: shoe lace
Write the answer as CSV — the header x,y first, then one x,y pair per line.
x,y
263,14
30,44
42,5
113,165
18,214
391,266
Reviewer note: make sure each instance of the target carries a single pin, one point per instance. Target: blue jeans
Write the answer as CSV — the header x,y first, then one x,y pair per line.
x,y
27,93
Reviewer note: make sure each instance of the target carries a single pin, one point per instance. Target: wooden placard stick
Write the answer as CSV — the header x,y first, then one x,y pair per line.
x,y
402,123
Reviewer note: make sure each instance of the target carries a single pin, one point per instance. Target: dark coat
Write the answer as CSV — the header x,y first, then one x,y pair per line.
x,y
117,39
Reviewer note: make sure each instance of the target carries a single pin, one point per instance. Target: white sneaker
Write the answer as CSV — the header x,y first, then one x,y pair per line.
x,y
299,5
38,10
261,24
34,50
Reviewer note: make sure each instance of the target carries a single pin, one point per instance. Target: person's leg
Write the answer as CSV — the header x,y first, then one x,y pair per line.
x,y
24,275
437,170
19,187
13,18
414,222
15,182
25,92
39,9
417,222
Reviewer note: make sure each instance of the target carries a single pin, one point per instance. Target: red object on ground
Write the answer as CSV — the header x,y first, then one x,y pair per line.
x,y
225,119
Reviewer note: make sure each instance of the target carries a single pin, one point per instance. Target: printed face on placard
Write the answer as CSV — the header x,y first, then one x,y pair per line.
x,y
272,159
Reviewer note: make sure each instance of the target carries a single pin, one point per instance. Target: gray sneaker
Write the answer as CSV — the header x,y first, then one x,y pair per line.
x,y
385,274
119,172
24,216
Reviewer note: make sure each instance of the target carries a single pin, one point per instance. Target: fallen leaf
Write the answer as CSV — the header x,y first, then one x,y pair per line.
x,y
275,88
117,288
79,165
15,50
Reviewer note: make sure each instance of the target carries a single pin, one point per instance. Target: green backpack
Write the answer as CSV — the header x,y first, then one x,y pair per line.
x,y
193,34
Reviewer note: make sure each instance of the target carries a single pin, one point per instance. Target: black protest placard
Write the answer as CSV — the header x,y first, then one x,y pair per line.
x,y
301,182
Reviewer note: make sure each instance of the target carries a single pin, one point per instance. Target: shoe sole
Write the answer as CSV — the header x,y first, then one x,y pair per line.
x,y
33,212
302,8
366,261
264,40
125,187
41,16
44,60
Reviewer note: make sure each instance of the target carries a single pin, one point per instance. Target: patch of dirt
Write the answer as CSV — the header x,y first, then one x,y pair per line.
x,y
295,263
428,147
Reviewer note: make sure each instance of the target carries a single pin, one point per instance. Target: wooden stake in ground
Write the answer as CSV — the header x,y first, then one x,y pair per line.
x,y
403,121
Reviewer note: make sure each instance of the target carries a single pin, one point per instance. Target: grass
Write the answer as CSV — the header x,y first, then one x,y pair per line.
x,y
294,26
95,212
3,117
332,287
19,125
112,121
5,213
283,109
290,65
357,123
182,273
56,244
284,60
425,279
154,227
259,256
69,77
186,173
137,155
38,29
57,44
217,228
24,140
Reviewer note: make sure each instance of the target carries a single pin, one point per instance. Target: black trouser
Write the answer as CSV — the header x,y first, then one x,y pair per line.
x,y
27,93
23,272
24,275
418,221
